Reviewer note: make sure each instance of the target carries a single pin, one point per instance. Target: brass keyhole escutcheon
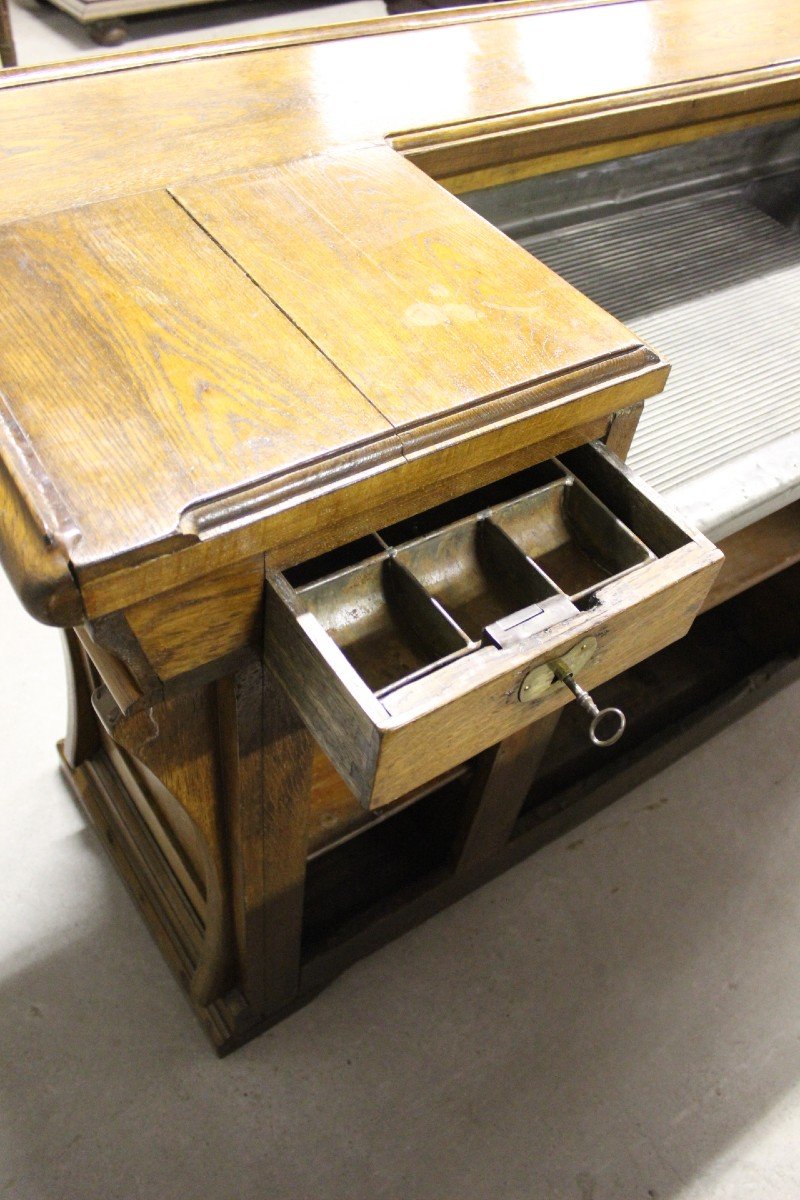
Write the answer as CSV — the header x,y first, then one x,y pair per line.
x,y
562,670
539,680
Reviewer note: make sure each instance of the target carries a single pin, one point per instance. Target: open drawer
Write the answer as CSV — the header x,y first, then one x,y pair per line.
x,y
413,649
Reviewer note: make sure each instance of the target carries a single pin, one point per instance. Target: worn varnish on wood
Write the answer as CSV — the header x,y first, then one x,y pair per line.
x,y
560,73
218,394
242,323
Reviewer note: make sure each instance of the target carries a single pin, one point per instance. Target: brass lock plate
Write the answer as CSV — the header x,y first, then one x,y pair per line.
x,y
539,680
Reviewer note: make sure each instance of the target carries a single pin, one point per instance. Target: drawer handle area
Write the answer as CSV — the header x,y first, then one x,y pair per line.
x,y
562,670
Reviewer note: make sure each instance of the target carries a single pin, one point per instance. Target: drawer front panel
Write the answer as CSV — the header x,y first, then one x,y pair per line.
x,y
471,714
405,652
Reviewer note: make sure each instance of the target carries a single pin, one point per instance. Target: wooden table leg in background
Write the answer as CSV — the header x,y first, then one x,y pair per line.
x,y
268,786
503,778
202,799
82,738
8,54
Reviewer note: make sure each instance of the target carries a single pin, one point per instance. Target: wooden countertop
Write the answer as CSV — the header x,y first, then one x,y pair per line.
x,y
231,310
105,128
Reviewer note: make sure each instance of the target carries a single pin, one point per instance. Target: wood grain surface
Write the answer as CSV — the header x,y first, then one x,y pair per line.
x,y
424,306
267,756
197,393
207,620
133,127
148,372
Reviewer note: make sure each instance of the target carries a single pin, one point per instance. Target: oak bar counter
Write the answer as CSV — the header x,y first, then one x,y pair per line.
x,y
322,473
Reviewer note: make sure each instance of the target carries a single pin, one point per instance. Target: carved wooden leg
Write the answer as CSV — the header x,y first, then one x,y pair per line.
x,y
288,755
177,741
504,776
203,800
82,738
268,780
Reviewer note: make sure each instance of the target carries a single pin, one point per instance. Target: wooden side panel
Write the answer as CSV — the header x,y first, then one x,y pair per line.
x,y
240,700
267,755
82,738
288,748
178,742
172,831
209,618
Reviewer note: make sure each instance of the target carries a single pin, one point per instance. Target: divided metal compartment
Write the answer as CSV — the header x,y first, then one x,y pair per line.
x,y
387,637
409,607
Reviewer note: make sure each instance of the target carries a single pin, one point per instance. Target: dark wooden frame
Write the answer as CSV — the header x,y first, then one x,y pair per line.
x,y
8,52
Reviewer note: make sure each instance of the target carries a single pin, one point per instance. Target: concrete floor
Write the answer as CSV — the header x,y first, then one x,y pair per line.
x,y
618,1017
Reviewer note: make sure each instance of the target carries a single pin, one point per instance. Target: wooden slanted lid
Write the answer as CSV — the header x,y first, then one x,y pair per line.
x,y
181,373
